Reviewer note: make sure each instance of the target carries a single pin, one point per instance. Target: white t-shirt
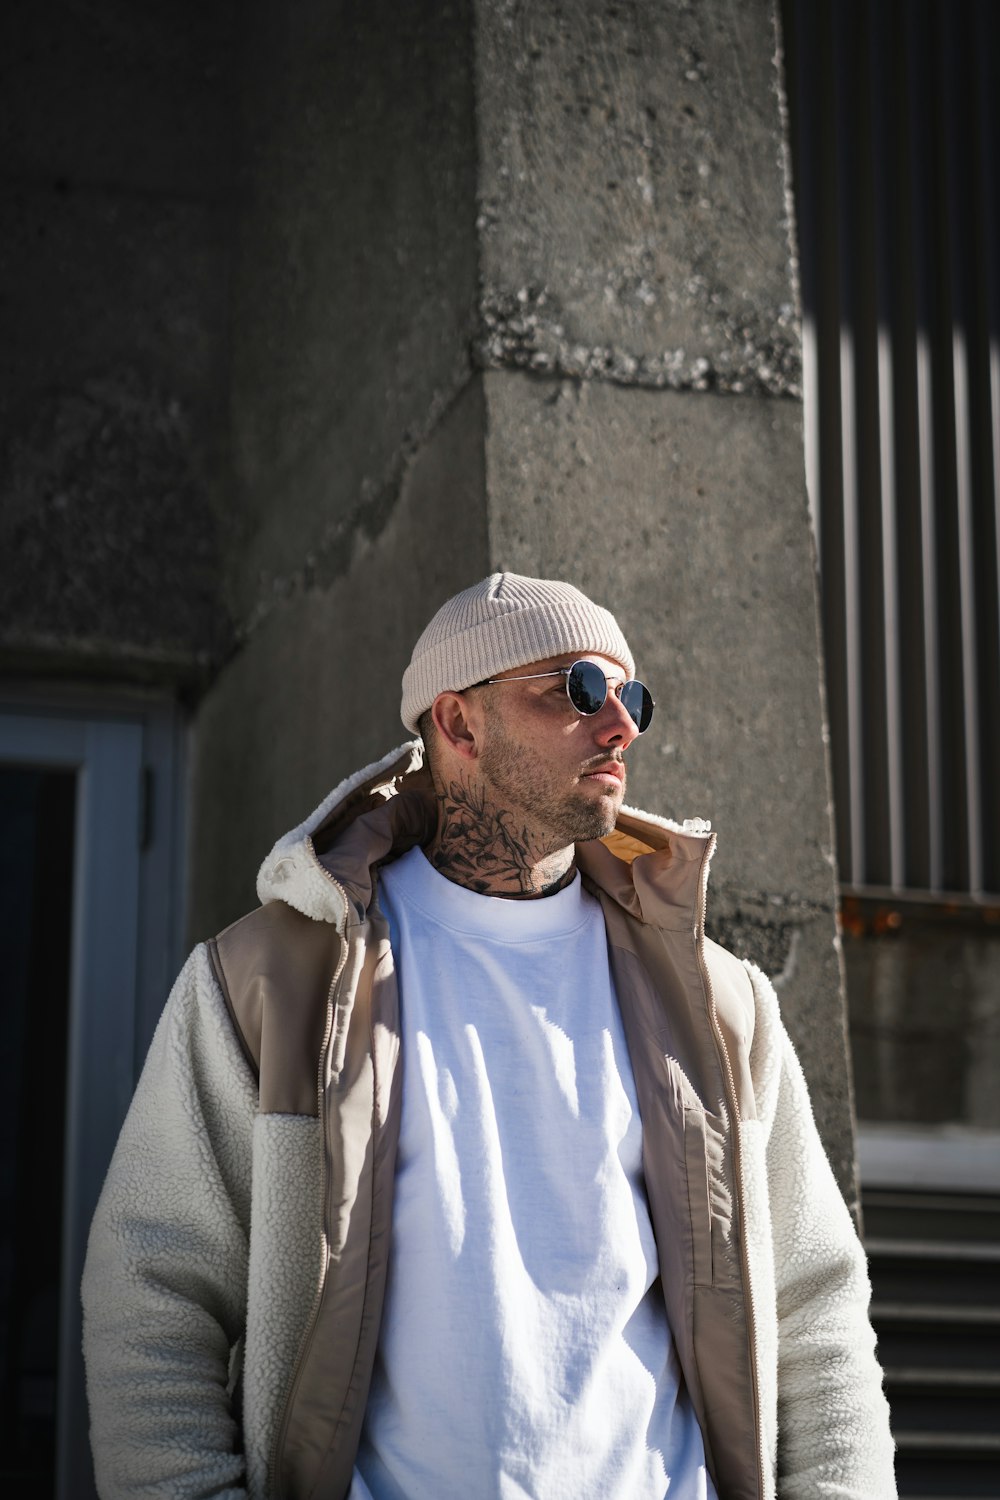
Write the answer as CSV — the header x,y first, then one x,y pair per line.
x,y
525,1349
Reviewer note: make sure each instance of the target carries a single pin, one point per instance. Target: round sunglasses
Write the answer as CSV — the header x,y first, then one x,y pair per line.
x,y
587,690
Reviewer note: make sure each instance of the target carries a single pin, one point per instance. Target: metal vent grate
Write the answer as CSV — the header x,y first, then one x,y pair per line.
x,y
895,133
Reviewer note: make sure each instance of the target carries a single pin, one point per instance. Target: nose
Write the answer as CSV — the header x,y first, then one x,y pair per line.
x,y
615,725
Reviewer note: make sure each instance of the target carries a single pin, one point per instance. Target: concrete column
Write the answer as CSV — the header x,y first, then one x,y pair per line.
x,y
644,434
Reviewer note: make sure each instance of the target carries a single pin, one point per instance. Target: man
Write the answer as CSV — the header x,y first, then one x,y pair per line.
x,y
466,1166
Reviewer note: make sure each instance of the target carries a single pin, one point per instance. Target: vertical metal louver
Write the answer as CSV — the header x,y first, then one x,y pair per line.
x,y
895,134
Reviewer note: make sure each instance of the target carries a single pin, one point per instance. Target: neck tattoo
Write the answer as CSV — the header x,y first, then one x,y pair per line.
x,y
478,845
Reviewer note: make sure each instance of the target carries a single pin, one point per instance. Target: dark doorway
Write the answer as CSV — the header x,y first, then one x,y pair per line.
x,y
37,815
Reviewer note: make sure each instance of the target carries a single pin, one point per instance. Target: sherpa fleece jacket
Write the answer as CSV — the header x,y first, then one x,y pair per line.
x,y
237,1261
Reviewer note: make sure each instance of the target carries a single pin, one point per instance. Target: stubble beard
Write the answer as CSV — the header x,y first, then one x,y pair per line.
x,y
518,781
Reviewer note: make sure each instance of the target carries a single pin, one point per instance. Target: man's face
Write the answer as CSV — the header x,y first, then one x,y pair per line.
x,y
544,762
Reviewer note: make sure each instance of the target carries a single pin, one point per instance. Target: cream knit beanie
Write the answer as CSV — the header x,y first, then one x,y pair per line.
x,y
505,621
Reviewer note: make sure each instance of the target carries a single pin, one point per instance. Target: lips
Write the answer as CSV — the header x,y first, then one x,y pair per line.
x,y
610,771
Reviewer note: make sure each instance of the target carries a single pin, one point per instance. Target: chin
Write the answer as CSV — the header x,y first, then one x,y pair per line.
x,y
597,821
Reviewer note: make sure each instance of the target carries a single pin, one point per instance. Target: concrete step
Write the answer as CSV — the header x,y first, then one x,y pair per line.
x,y
921,1375
935,1269
937,1337
934,1463
982,1251
933,1440
947,1314
935,1273
943,1218
964,1409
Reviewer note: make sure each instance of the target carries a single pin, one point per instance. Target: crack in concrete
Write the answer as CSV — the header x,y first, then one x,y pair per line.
x,y
333,552
767,928
769,906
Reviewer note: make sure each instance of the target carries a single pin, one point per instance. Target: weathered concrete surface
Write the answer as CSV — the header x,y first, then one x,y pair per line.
x,y
134,98
314,694
632,197
114,149
355,279
108,555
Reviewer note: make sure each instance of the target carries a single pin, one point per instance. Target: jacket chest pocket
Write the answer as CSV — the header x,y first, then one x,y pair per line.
x,y
708,1183
710,1199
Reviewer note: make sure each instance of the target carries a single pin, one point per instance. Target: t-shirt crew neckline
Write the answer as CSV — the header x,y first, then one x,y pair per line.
x,y
488,917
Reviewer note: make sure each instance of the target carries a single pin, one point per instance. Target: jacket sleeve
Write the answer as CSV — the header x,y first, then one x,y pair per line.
x,y
164,1285
833,1419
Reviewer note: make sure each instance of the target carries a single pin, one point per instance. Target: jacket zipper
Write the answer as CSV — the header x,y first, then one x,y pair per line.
x,y
292,1386
737,1150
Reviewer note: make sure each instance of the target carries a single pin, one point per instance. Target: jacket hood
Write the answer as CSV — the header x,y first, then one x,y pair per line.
x,y
324,866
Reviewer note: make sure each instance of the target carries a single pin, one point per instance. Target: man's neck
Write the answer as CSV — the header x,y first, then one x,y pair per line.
x,y
481,846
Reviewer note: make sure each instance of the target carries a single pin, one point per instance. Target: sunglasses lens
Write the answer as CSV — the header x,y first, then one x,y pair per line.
x,y
638,704
587,687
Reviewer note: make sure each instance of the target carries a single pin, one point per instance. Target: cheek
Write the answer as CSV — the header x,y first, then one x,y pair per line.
x,y
570,725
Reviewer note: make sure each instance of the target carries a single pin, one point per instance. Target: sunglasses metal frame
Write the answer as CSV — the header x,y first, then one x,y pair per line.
x,y
566,672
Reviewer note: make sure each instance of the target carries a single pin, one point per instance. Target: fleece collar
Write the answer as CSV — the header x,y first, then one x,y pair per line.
x,y
651,865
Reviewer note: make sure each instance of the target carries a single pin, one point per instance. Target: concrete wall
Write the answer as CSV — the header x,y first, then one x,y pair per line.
x,y
357,498
314,693
115,164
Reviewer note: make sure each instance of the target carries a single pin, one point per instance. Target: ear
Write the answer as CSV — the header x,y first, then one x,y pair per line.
x,y
457,722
